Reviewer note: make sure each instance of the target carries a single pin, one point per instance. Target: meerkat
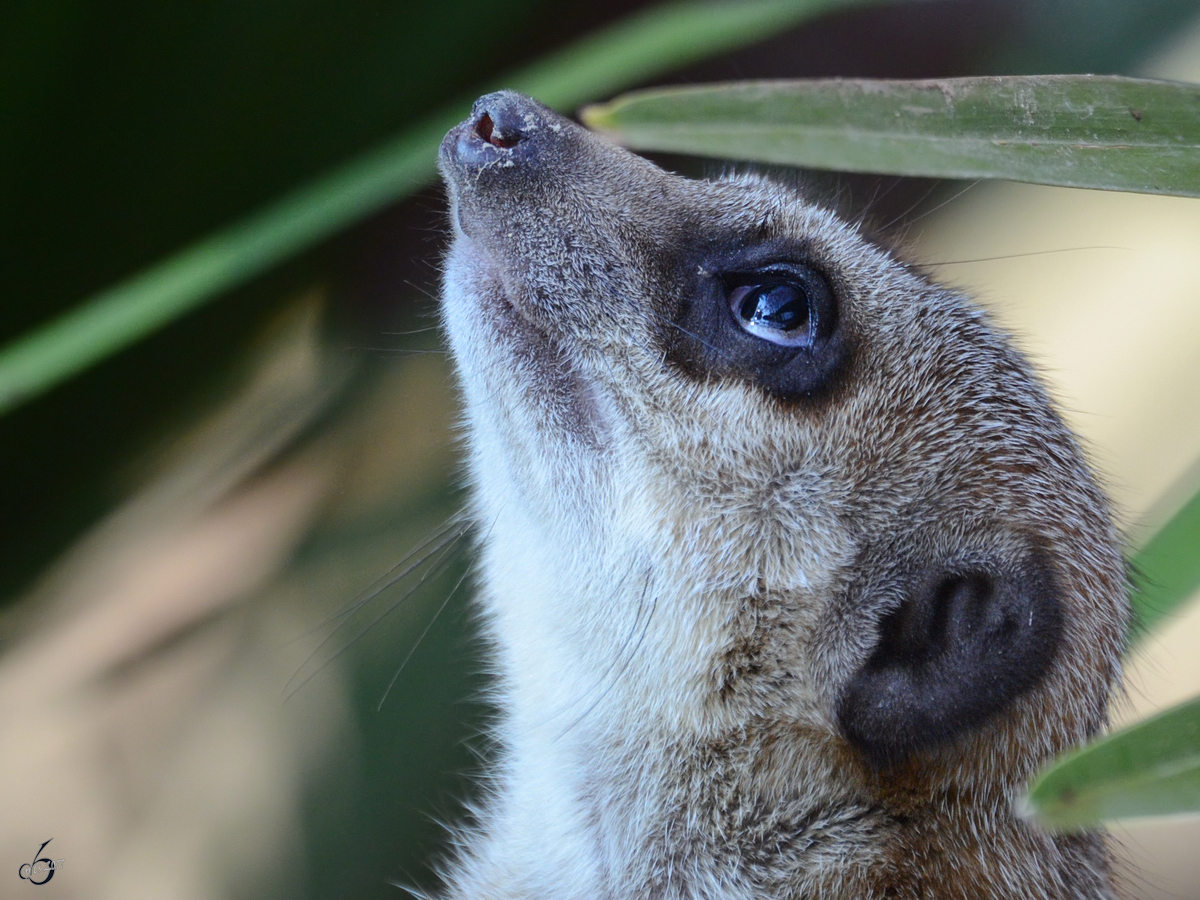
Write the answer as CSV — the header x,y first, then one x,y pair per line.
x,y
792,574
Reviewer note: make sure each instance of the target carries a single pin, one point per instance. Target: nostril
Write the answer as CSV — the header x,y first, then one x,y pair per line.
x,y
486,129
483,127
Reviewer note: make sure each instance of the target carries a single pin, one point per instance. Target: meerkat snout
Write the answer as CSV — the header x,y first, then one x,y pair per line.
x,y
498,122
793,574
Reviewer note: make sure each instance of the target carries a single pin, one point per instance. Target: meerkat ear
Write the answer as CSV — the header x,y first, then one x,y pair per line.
x,y
963,644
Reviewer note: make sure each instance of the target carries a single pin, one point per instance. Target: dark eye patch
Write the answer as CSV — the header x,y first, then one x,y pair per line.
x,y
764,315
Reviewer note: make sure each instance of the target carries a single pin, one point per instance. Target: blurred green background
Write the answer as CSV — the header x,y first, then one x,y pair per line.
x,y
133,128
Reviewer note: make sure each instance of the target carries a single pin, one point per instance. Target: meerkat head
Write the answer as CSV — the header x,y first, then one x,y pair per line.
x,y
865,529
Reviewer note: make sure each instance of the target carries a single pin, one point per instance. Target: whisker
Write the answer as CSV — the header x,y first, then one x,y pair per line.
x,y
959,262
424,330
674,324
646,348
616,657
916,203
876,198
429,625
613,682
423,289
438,566
388,578
421,637
944,203
397,351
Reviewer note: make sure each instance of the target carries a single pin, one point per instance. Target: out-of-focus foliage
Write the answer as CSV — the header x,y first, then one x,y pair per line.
x,y
1167,569
660,38
1152,768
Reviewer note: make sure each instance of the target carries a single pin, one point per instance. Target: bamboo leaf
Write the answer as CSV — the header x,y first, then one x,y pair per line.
x,y
1150,769
1074,130
636,48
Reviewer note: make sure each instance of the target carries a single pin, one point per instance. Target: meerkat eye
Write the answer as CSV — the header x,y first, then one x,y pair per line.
x,y
792,309
776,311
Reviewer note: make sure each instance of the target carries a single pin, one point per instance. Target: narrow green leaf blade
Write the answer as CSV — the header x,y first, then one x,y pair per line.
x,y
1075,130
1167,568
646,43
1150,769
116,317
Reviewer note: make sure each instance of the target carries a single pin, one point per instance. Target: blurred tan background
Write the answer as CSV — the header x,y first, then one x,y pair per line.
x,y
158,720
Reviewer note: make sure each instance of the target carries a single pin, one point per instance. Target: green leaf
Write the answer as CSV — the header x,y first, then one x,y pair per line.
x,y
636,48
1167,568
1150,769
1075,130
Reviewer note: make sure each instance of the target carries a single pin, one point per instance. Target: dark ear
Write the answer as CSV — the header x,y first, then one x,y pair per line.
x,y
965,642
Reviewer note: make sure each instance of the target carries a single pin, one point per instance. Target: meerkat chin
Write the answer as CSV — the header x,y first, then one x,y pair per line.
x,y
793,575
